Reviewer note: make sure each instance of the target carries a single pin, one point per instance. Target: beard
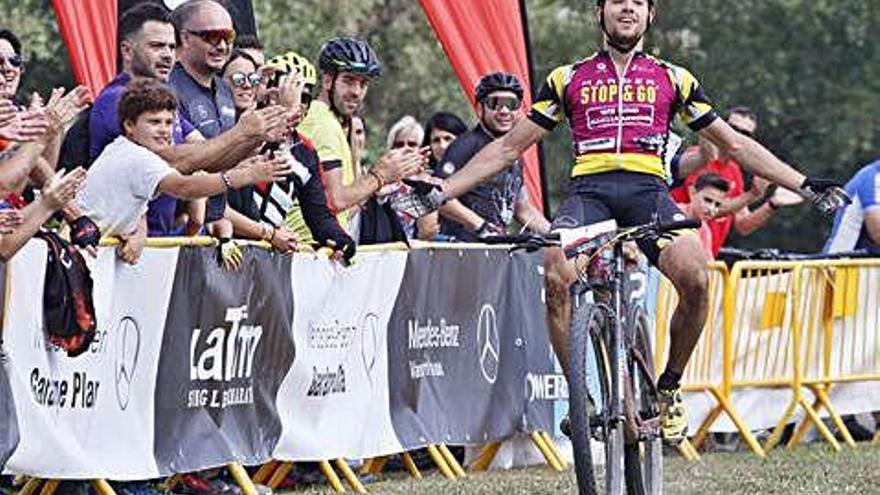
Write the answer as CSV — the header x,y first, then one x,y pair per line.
x,y
622,43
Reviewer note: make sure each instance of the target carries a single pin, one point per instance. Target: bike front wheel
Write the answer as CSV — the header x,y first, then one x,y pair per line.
x,y
590,395
643,453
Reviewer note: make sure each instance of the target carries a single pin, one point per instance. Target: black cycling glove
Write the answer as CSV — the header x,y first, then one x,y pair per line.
x,y
825,194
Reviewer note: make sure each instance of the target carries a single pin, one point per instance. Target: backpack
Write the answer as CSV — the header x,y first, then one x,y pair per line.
x,y
68,313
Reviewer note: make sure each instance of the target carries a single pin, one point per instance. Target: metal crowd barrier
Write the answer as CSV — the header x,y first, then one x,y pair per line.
x,y
800,325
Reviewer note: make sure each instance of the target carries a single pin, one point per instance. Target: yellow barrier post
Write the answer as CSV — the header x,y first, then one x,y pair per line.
x,y
331,476
31,486
350,476
796,384
265,471
451,460
242,479
487,455
553,449
377,465
410,466
50,487
538,440
687,450
281,472
438,459
102,487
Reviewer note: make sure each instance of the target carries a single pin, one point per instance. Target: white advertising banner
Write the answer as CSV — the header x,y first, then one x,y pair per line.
x,y
92,415
335,401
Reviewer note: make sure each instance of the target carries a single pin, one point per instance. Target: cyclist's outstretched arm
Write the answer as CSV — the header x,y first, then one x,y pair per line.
x,y
751,154
495,157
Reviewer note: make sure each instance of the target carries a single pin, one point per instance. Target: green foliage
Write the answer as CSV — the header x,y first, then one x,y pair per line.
x,y
810,68
47,65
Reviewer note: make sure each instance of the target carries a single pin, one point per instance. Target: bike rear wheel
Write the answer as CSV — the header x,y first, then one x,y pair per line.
x,y
643,453
590,389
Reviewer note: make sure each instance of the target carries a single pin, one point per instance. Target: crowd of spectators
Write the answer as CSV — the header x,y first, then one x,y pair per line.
x,y
201,133
218,139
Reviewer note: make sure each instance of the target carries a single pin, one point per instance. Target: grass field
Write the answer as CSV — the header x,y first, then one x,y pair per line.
x,y
813,469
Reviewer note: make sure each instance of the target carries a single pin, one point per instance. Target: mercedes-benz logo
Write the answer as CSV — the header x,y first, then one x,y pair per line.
x,y
488,343
370,343
128,346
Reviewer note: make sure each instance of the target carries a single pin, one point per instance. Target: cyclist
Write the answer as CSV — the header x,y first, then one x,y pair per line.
x,y
348,66
619,173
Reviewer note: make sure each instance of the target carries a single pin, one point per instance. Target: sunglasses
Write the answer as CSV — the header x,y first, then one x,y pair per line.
x,y
496,103
239,79
404,144
213,37
13,60
742,131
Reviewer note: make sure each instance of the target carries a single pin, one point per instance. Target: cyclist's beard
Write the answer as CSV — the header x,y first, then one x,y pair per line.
x,y
621,43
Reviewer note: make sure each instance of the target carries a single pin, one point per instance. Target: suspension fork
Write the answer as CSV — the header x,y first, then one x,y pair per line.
x,y
616,339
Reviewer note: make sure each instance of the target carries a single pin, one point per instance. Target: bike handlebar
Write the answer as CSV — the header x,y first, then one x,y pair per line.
x,y
690,223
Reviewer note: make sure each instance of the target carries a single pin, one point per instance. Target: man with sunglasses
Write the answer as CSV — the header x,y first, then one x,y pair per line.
x,y
619,104
735,213
205,36
490,207
146,45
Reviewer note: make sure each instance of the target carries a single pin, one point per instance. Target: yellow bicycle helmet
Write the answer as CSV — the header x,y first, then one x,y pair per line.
x,y
293,62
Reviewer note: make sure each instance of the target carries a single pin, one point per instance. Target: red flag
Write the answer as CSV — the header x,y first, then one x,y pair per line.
x,y
88,28
483,36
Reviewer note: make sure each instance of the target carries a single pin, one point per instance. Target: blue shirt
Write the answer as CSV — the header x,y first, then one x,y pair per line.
x,y
104,117
211,110
104,128
849,232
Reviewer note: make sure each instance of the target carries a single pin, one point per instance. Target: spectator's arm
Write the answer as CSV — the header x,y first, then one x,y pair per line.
x,y
229,148
14,172
391,167
747,221
34,216
529,215
195,216
56,194
456,211
313,203
212,155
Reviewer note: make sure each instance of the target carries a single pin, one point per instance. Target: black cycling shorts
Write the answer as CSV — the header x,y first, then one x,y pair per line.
x,y
630,198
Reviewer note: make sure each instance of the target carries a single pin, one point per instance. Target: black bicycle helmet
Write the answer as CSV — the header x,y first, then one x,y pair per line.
x,y
498,81
349,55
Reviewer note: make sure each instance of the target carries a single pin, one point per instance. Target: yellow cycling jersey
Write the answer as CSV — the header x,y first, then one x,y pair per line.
x,y
323,128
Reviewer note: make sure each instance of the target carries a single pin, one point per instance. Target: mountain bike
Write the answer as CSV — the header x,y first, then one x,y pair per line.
x,y
612,388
